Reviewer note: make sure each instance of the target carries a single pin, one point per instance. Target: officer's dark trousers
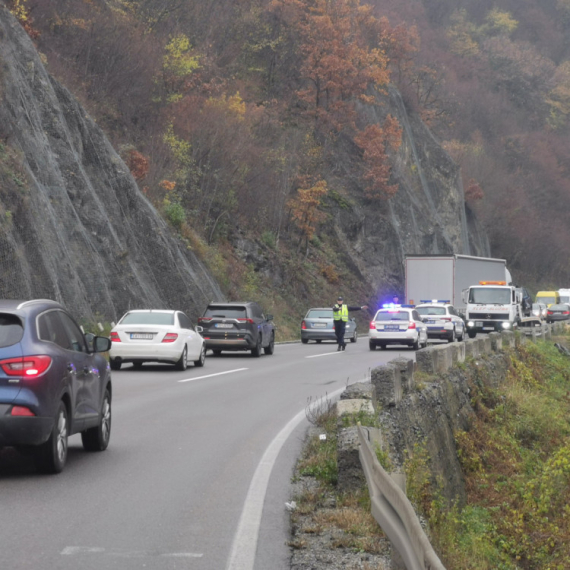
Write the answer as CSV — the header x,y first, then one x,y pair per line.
x,y
339,328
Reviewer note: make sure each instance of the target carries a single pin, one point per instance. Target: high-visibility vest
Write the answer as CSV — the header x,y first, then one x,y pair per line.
x,y
340,313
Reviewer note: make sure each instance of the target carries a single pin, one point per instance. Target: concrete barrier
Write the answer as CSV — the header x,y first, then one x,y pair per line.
x,y
386,380
508,339
496,341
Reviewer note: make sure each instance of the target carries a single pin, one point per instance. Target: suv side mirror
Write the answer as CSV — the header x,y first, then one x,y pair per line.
x,y
269,317
101,344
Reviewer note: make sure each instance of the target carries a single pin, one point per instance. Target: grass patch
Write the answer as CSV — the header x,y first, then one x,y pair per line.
x,y
516,462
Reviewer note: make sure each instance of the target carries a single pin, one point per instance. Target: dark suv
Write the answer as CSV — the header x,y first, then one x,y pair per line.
x,y
53,383
237,326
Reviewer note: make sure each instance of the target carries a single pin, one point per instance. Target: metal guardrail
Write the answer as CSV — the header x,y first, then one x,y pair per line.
x,y
395,514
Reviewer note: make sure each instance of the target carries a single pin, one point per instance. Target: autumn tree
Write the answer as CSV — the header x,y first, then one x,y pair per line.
x,y
304,207
374,141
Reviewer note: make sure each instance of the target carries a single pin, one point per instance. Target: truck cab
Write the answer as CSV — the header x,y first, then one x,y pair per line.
x,y
492,306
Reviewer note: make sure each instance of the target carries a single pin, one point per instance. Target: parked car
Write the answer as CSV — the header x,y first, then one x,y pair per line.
x,y
318,325
539,310
397,325
156,336
237,326
559,312
443,321
53,382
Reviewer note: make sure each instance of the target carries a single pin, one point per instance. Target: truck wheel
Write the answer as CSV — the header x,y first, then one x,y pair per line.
x,y
472,334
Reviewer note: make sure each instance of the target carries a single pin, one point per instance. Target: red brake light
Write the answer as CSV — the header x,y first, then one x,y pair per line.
x,y
21,411
170,337
250,321
27,366
372,325
303,325
412,325
550,313
115,337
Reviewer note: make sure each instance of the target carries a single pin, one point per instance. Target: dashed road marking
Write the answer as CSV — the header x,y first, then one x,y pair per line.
x,y
212,375
325,354
121,553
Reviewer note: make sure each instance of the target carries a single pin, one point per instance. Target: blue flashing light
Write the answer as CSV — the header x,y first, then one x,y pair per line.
x,y
390,306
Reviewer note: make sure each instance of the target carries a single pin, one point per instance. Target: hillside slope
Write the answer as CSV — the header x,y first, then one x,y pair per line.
x,y
74,226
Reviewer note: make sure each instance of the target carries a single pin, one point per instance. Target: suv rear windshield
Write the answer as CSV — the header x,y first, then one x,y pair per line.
x,y
392,316
226,312
320,314
431,310
11,330
148,319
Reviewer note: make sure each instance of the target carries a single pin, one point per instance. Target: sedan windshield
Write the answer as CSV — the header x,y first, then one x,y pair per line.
x,y
320,314
392,316
431,310
489,296
150,318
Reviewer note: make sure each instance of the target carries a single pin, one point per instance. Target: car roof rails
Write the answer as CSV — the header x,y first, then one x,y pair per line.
x,y
32,301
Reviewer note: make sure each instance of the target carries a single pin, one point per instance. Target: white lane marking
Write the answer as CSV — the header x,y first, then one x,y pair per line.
x,y
212,375
75,550
325,354
242,554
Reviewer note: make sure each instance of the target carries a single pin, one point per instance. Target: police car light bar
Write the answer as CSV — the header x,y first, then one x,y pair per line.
x,y
394,306
435,301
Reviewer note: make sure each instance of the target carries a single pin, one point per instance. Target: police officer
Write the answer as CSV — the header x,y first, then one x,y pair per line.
x,y
340,317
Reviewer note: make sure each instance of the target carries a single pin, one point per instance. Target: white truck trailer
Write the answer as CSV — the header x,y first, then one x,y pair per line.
x,y
444,277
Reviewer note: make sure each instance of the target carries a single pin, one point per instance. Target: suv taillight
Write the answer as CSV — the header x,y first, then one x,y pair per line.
x,y
412,325
170,337
250,321
21,411
27,366
115,337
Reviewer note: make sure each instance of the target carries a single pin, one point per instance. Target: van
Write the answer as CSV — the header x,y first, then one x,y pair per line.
x,y
548,298
564,296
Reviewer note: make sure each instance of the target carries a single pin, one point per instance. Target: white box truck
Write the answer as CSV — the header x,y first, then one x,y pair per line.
x,y
444,277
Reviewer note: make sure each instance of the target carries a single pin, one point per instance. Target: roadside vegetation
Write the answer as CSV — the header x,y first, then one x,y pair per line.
x,y
320,508
516,462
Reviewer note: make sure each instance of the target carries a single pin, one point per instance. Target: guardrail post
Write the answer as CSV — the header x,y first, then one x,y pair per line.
x,y
472,348
405,369
508,339
386,380
496,341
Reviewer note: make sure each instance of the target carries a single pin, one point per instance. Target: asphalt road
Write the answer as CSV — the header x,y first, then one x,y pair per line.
x,y
196,474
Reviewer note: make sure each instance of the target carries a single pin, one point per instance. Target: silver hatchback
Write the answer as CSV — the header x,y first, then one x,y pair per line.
x,y
318,325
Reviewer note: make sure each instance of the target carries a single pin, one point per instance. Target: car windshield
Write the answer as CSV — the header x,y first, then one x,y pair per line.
x,y
11,330
431,310
392,316
320,314
150,318
226,312
489,295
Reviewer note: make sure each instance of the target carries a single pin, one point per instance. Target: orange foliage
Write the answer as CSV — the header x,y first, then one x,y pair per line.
x,y
374,140
167,185
305,206
338,64
474,192
138,164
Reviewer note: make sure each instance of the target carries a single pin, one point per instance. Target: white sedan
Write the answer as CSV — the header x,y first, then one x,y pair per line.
x,y
397,325
156,336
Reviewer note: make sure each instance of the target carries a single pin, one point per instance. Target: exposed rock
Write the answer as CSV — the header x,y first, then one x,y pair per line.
x,y
358,391
81,232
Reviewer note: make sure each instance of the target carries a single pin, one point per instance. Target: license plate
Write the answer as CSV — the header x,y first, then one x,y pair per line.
x,y
319,325
141,336
488,328
392,328
479,324
431,322
224,326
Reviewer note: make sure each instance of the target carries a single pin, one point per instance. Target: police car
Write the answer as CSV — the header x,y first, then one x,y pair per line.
x,y
397,324
442,320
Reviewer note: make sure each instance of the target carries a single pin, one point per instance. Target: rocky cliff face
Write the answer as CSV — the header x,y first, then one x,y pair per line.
x,y
427,215
74,227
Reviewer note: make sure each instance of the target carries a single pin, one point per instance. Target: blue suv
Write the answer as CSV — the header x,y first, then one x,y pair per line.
x,y
53,382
